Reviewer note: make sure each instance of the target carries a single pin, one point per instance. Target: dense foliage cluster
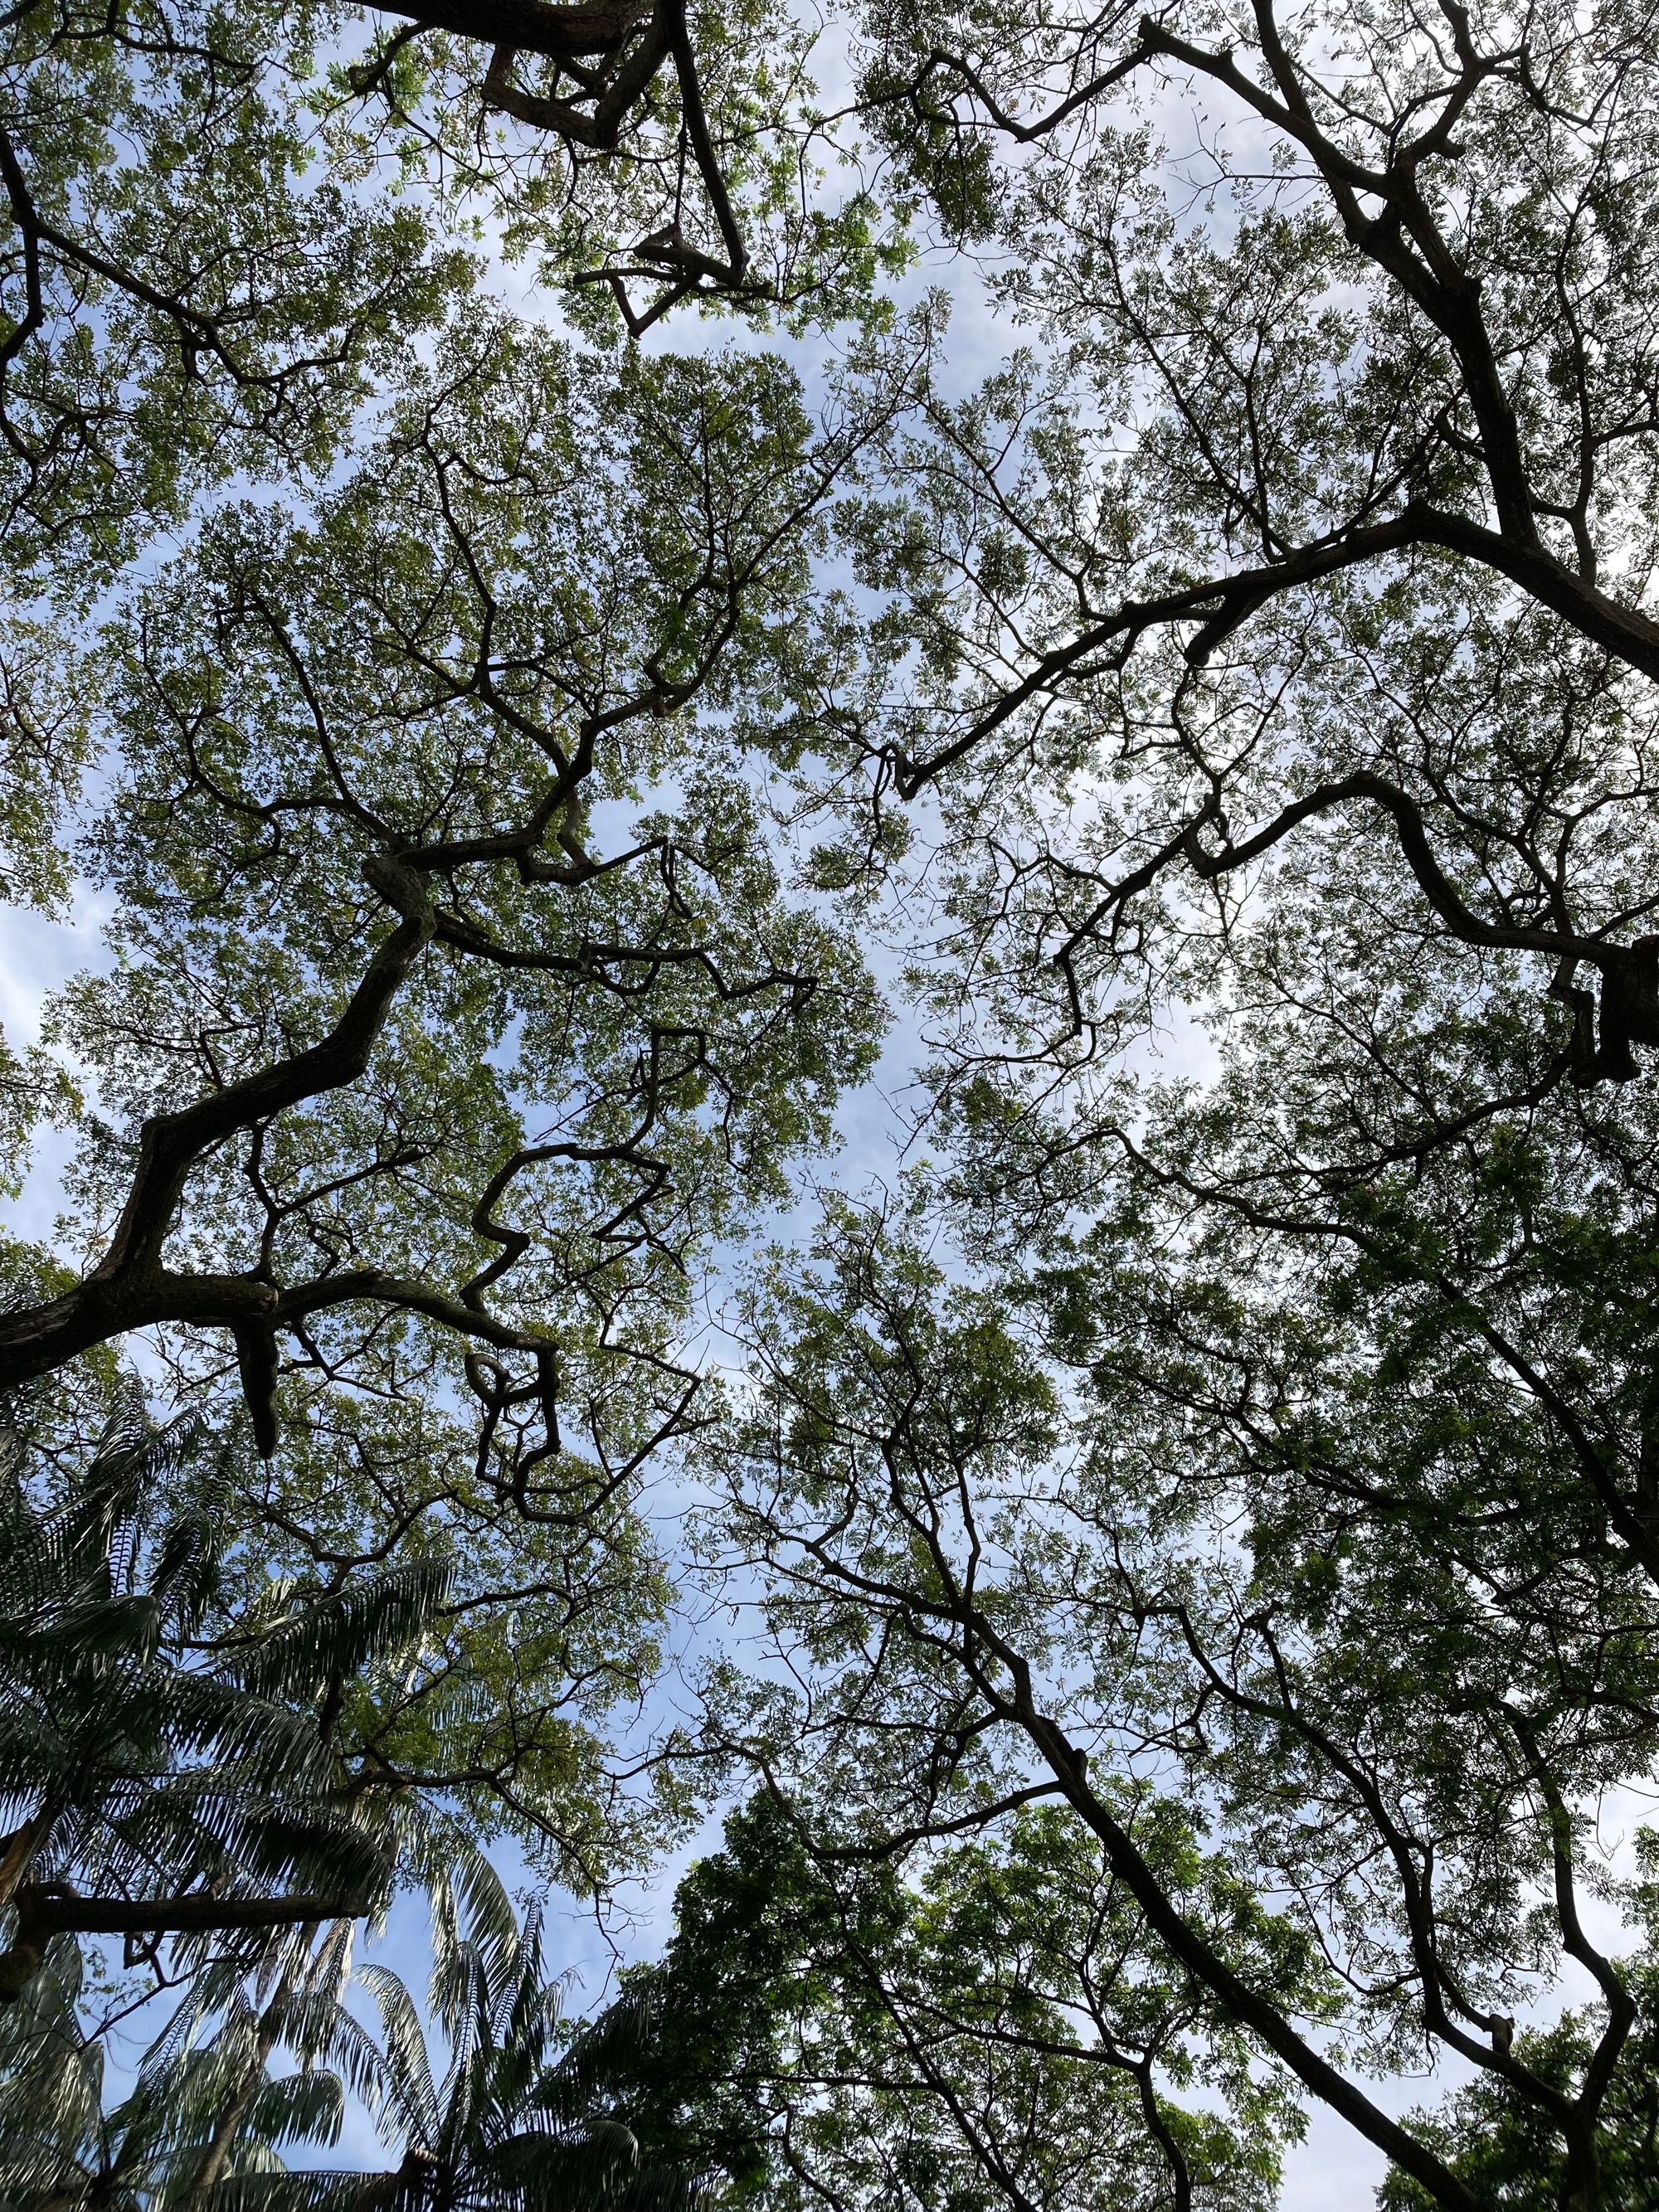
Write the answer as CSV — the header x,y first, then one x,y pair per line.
x,y
576,573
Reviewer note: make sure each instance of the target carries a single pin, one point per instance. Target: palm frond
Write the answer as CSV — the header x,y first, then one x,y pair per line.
x,y
304,2107
324,2191
411,2097
340,1635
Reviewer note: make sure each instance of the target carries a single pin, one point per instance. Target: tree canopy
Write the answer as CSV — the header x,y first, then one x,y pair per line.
x,y
589,589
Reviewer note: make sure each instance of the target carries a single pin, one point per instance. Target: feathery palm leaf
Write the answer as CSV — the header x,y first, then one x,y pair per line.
x,y
496,2128
145,1769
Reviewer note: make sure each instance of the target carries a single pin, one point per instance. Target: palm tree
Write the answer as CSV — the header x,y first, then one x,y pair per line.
x,y
206,2120
153,1784
158,1781
297,2001
194,2108
499,2126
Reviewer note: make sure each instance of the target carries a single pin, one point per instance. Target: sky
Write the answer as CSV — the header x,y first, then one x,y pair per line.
x,y
1333,2171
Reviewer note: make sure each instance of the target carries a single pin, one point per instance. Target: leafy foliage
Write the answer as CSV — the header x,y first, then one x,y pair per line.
x,y
988,2021
1499,2147
189,1789
495,2127
1194,1549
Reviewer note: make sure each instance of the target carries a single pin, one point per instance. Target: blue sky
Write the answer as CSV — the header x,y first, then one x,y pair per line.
x,y
1334,2170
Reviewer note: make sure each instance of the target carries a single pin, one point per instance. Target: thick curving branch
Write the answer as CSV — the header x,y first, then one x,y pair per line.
x,y
1629,1005
1219,605
130,1287
611,53
949,1616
